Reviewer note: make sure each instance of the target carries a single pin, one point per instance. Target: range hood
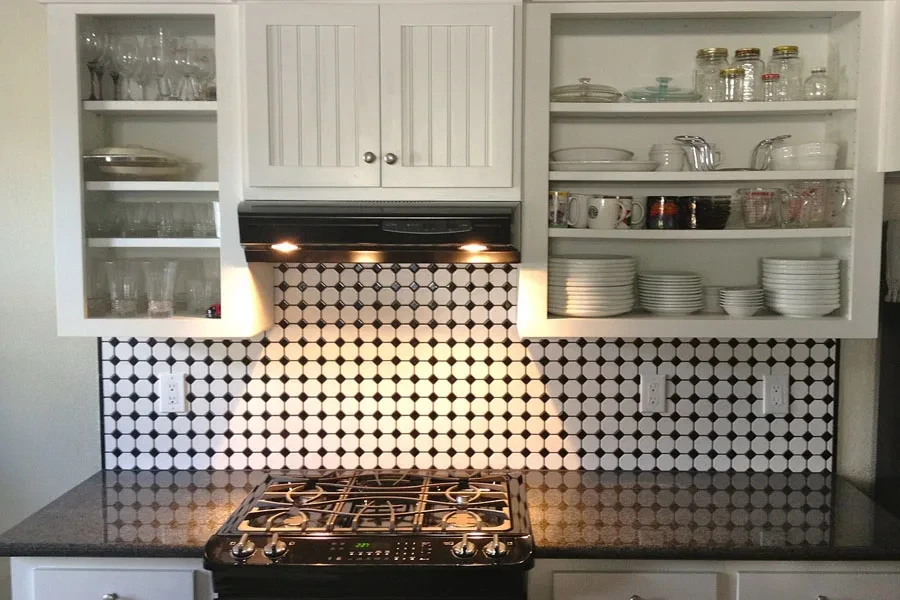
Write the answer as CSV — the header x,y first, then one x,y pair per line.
x,y
376,232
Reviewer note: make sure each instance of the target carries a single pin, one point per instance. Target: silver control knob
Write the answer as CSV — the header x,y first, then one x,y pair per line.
x,y
369,157
275,549
495,548
390,158
244,549
109,597
463,548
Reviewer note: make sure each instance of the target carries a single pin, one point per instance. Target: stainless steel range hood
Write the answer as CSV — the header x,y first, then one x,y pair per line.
x,y
374,232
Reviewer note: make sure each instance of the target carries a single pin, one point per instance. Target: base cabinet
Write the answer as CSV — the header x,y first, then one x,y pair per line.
x,y
109,579
578,579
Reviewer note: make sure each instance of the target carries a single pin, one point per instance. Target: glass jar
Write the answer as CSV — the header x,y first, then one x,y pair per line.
x,y
786,62
773,88
706,72
731,84
819,86
749,60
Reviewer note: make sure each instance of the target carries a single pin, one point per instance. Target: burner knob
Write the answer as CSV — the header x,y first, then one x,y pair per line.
x,y
244,549
464,548
495,548
275,549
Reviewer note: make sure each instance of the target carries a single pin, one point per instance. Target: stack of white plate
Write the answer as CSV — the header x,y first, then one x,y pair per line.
x,y
802,287
670,293
741,301
591,286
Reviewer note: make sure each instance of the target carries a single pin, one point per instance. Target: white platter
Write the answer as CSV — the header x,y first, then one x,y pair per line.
x,y
591,153
672,311
815,260
588,313
629,166
599,294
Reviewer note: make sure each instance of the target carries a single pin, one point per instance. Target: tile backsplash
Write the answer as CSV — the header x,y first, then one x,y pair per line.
x,y
420,366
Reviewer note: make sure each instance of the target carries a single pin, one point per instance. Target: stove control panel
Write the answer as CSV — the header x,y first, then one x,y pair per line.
x,y
363,550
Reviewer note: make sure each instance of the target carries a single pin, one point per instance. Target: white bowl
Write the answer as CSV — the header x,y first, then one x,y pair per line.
x,y
808,149
568,154
741,311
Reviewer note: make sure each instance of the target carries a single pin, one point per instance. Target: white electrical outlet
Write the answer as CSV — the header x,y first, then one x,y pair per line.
x,y
776,395
653,394
172,393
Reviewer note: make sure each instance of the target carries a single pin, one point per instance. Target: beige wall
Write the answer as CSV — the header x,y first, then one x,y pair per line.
x,y
49,423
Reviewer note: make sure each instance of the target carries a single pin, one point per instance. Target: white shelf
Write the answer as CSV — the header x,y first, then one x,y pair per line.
x,y
154,243
698,234
693,109
150,107
698,176
152,186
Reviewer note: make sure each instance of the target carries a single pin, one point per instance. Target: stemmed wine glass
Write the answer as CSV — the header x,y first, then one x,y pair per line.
x,y
206,74
158,54
92,53
109,60
186,62
128,60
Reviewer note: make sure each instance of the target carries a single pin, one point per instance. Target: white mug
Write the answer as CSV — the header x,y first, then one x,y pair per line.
x,y
638,217
669,157
606,212
578,212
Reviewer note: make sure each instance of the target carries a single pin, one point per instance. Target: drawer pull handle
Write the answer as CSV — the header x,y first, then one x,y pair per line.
x,y
110,597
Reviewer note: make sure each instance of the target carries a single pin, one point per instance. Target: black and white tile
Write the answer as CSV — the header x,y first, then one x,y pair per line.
x,y
420,366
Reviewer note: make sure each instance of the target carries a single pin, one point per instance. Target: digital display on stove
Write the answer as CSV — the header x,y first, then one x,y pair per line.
x,y
372,546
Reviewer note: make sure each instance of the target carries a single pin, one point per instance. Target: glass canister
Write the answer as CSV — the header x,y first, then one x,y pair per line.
x,y
786,62
749,60
731,84
819,86
773,88
708,63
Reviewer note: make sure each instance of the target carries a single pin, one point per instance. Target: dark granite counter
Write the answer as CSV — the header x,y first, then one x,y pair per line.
x,y
575,514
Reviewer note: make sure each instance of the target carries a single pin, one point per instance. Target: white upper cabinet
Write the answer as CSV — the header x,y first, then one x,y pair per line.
x,y
312,94
447,85
414,96
889,156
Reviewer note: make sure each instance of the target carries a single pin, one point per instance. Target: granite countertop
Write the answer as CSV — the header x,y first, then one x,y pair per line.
x,y
575,514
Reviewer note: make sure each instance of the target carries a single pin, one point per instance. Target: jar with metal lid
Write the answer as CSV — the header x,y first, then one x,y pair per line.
x,y
773,88
731,84
786,62
749,60
708,63
819,86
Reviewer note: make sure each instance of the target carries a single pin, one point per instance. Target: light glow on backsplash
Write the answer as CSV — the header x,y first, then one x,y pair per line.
x,y
420,366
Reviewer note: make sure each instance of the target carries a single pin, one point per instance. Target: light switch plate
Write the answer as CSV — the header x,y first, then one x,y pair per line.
x,y
776,395
654,399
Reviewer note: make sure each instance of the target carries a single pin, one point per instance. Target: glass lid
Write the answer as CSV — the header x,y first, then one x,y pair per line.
x,y
584,91
661,92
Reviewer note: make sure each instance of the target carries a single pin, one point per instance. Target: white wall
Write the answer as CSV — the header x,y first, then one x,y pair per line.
x,y
49,406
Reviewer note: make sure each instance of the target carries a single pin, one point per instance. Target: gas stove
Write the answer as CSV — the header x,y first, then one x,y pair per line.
x,y
339,533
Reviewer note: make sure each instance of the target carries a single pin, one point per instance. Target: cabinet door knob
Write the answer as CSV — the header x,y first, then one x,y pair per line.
x,y
369,157
390,158
635,597
110,597
821,597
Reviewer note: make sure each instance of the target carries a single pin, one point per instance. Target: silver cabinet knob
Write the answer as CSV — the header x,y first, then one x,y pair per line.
x,y
635,597
821,597
369,157
390,158
244,549
110,597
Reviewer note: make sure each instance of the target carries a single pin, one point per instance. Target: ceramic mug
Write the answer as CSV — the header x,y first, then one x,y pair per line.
x,y
637,219
578,212
607,212
670,157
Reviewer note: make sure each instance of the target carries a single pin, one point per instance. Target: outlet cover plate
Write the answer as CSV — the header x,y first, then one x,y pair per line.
x,y
654,396
776,395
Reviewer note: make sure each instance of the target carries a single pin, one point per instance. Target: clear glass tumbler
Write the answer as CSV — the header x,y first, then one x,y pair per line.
x,y
160,280
122,278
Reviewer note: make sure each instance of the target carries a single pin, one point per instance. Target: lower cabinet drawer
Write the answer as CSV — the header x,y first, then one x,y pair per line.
x,y
626,586
818,586
113,584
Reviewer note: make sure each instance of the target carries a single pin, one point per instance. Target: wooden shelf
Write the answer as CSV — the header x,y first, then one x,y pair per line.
x,y
698,109
154,243
699,234
152,186
698,176
150,107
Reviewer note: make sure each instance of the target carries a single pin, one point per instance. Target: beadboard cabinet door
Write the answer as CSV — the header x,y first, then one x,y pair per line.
x,y
447,95
312,80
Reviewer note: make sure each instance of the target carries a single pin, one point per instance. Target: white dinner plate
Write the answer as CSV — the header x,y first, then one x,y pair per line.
x,y
574,258
816,260
588,313
603,165
672,311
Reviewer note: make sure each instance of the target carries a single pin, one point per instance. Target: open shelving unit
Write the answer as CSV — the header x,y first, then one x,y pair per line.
x,y
569,40
203,133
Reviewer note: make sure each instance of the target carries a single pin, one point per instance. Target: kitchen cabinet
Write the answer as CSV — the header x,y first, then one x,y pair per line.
x,y
381,98
889,151
109,578
586,579
626,45
92,207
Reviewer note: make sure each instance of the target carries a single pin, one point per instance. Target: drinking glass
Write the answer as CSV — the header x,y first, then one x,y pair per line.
x,y
204,225
97,290
128,61
206,74
109,60
91,44
102,219
123,287
201,295
167,224
158,54
186,63
159,277
138,220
